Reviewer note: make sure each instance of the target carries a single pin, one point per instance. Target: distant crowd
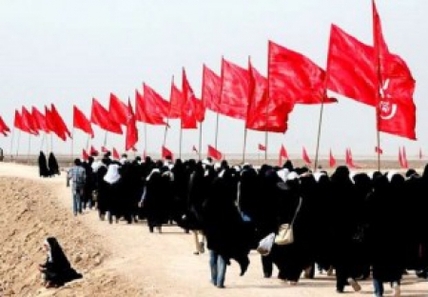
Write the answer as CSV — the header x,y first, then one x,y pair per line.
x,y
357,225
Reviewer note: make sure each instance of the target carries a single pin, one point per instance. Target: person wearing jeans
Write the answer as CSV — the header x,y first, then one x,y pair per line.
x,y
218,269
77,176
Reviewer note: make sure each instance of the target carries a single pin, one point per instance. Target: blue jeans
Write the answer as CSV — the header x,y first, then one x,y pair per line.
x,y
218,269
77,202
378,287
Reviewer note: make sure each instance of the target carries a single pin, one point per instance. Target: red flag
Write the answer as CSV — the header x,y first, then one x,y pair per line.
x,y
298,79
104,149
166,153
282,155
349,160
28,122
39,120
115,154
3,127
305,157
155,104
175,102
199,109
211,89
188,112
378,150
332,160
60,128
17,121
402,158
421,156
214,153
49,119
93,151
142,114
131,128
85,155
234,90
100,117
118,110
350,70
80,121
262,147
396,109
281,104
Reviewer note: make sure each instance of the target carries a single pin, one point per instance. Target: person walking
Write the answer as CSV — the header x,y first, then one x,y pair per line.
x,y
77,176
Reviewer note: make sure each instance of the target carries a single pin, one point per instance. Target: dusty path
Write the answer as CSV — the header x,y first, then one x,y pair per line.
x,y
164,265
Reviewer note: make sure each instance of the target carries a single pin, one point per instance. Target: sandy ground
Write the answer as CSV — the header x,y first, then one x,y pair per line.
x,y
121,259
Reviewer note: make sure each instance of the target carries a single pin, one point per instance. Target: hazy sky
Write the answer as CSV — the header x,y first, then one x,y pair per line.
x,y
67,52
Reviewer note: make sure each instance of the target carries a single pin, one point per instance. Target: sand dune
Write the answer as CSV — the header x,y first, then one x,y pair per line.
x,y
119,259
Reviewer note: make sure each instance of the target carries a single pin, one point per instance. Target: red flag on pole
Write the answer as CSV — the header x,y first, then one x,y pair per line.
x,y
175,102
167,154
188,112
305,157
85,155
60,128
142,112
332,160
131,128
404,158
234,90
28,122
378,150
262,147
17,121
93,151
213,153
211,89
3,127
100,117
39,120
104,149
115,154
80,121
117,110
282,155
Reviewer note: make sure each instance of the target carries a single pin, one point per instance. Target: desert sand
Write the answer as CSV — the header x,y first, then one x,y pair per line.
x,y
121,259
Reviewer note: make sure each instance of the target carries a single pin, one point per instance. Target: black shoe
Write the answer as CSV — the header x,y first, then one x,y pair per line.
x,y
244,265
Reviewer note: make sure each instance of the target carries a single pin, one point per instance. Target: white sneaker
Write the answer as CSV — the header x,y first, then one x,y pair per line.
x,y
355,285
396,290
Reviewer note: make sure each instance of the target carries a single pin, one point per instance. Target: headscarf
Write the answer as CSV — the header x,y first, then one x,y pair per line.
x,y
112,175
56,255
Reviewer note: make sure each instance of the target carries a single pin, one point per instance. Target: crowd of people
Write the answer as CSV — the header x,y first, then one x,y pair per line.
x,y
357,225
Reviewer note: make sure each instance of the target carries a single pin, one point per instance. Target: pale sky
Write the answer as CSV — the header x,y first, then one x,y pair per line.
x,y
66,52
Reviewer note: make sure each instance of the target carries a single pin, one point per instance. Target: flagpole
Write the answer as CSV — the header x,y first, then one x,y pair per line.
x,y
169,114
267,108
181,141
219,103
105,139
245,144
87,142
29,148
52,143
145,137
200,141
17,145
319,133
42,142
72,144
11,142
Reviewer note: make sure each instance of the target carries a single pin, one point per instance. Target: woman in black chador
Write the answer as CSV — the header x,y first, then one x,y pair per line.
x,y
56,271
43,165
53,165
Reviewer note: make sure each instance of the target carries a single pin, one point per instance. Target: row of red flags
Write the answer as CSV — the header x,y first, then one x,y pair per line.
x,y
283,155
369,74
